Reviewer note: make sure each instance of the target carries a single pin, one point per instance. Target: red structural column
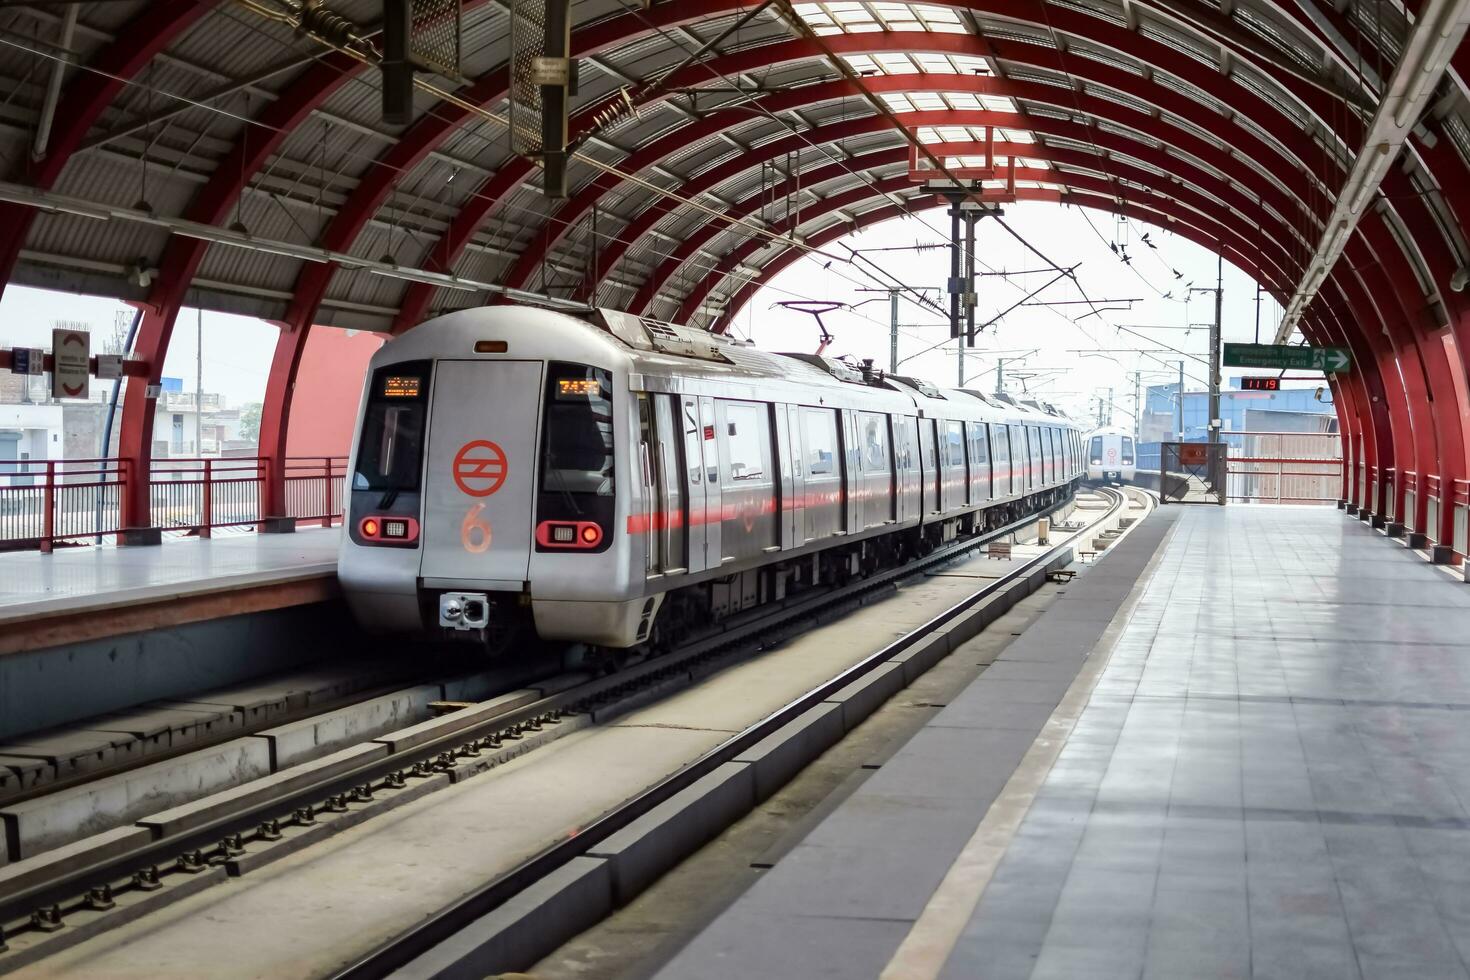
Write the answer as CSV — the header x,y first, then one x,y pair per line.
x,y
1435,392
1397,355
1450,387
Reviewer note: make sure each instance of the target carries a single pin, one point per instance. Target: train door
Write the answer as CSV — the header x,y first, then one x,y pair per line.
x,y
668,454
649,485
1000,462
696,524
713,498
952,459
482,456
980,473
906,469
790,475
852,475
1019,459
929,467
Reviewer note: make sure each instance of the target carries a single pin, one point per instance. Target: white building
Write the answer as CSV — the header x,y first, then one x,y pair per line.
x,y
29,434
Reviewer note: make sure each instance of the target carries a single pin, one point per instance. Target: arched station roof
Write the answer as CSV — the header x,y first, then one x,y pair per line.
x,y
209,152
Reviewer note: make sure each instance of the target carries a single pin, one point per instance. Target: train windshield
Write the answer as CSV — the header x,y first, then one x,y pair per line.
x,y
390,456
578,457
1127,450
1097,449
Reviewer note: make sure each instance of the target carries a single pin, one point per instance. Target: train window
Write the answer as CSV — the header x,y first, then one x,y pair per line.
x,y
998,448
692,450
1127,450
748,430
577,455
954,441
979,451
1097,449
820,431
873,435
390,456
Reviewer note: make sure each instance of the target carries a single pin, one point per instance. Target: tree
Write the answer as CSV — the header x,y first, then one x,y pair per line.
x,y
250,422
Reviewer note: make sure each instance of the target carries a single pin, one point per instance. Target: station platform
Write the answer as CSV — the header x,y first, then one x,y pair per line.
x,y
81,593
118,627
1243,751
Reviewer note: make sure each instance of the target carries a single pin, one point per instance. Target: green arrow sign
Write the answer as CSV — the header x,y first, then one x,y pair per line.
x,y
1283,358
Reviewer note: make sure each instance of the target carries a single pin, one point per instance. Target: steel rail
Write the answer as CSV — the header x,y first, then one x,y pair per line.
x,y
68,889
446,922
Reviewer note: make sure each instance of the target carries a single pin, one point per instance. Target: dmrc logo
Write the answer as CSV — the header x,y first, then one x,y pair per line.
x,y
479,468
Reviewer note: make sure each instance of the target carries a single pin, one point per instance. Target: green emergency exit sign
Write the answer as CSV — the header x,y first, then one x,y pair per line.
x,y
1280,357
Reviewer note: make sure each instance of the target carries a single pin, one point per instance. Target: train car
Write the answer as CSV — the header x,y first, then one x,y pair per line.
x,y
1110,456
618,482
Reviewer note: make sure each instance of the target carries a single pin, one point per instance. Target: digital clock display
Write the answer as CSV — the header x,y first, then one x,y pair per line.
x,y
577,388
401,386
1260,384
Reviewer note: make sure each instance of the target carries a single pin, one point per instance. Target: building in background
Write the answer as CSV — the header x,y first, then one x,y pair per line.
x,y
187,424
1295,410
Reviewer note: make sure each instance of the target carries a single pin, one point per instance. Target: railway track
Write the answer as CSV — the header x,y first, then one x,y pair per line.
x,y
257,824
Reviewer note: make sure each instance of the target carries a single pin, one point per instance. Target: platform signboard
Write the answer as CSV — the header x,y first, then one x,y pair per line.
x,y
1283,357
71,351
27,360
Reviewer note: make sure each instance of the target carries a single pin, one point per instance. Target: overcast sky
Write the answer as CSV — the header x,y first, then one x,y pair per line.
x,y
237,350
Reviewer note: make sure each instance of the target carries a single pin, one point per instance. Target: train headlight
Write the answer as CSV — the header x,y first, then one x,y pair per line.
x,y
388,531
1097,462
568,535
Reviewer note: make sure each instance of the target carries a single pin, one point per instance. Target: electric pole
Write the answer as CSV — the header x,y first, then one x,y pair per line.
x,y
893,331
1212,428
1214,420
1137,406
199,381
1179,403
1109,422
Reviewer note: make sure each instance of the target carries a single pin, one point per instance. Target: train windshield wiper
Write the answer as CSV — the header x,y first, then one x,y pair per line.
x,y
561,479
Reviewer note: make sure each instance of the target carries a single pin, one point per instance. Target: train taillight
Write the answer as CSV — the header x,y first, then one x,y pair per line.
x,y
388,530
569,535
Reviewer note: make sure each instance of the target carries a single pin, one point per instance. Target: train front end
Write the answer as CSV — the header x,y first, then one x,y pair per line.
x,y
484,499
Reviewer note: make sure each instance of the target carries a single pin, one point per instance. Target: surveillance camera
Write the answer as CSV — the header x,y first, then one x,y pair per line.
x,y
1460,279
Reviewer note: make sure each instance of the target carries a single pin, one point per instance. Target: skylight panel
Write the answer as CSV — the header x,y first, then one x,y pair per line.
x,y
936,64
896,64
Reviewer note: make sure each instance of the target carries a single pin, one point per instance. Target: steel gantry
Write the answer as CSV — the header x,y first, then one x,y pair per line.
x,y
1280,135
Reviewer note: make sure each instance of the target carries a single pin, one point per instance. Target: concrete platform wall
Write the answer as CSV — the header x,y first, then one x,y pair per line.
x,y
57,685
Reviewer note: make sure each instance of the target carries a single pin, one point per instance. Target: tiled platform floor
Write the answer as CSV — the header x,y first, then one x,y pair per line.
x,y
1271,778
33,584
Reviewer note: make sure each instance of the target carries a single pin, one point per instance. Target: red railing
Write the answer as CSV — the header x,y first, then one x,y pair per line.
x,y
79,501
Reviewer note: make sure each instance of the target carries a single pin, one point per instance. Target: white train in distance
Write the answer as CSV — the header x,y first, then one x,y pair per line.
x,y
619,482
1111,456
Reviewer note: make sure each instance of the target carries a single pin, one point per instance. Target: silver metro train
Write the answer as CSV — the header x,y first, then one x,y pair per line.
x,y
1110,456
618,481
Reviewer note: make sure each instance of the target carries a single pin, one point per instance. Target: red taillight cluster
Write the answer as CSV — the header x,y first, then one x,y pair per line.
x,y
388,529
572,535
